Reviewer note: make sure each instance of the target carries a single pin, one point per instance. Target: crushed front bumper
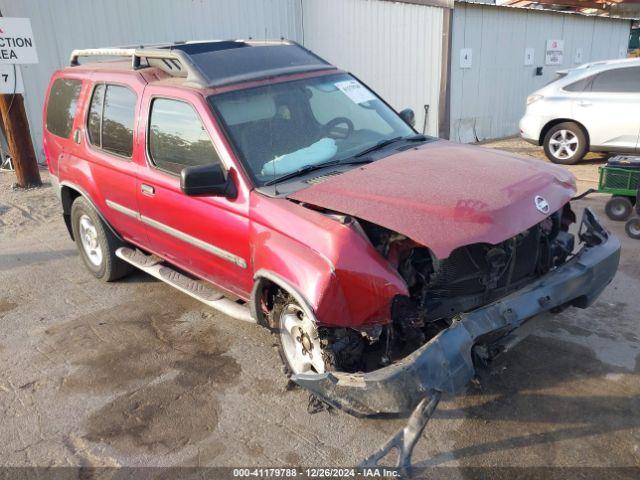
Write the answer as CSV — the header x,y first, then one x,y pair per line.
x,y
446,363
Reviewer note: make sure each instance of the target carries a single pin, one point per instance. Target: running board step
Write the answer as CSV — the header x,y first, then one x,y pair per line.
x,y
137,258
198,289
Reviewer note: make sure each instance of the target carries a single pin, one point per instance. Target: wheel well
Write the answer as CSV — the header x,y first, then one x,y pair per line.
x,y
262,297
557,121
67,196
265,287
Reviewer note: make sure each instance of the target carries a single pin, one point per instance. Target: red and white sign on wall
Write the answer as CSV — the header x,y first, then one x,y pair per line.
x,y
16,41
555,52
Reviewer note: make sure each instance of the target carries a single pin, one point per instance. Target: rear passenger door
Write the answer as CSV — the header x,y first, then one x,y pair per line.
x,y
608,108
108,145
207,236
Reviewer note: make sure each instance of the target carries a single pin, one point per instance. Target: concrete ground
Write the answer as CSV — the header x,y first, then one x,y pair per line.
x,y
135,373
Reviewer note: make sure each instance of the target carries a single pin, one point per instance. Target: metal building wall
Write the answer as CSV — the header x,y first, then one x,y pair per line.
x,y
395,48
488,99
60,26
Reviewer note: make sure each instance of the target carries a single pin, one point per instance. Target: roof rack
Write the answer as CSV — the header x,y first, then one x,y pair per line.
x,y
217,63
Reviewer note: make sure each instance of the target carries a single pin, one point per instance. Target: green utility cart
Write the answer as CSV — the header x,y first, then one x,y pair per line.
x,y
621,178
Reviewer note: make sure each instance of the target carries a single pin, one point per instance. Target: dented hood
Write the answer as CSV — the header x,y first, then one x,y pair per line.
x,y
445,195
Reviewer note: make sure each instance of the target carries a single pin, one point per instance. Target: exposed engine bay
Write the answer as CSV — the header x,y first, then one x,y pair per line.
x,y
441,289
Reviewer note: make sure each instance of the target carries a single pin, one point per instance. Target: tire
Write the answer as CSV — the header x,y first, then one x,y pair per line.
x,y
96,242
572,146
632,228
618,208
285,305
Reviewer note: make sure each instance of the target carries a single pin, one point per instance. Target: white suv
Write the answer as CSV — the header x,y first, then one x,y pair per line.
x,y
594,107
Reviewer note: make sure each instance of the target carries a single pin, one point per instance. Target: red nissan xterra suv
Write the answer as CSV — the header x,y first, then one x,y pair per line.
x,y
267,183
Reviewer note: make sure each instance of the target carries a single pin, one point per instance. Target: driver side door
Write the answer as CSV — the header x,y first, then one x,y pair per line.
x,y
204,235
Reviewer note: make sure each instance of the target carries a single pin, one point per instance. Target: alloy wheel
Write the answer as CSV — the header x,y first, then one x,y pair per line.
x,y
89,240
563,144
300,341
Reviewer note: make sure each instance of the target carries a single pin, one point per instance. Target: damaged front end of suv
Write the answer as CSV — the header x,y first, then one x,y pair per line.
x,y
466,273
439,290
461,311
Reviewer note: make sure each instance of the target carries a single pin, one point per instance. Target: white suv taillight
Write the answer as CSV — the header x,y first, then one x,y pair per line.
x,y
533,98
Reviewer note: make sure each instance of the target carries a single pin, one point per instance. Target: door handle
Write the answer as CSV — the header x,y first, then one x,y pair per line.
x,y
584,104
147,190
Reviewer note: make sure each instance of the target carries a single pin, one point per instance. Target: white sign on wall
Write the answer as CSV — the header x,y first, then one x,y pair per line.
x,y
16,41
10,79
555,52
577,58
466,58
529,56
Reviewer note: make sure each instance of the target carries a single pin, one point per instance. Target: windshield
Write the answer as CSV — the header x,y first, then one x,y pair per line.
x,y
281,128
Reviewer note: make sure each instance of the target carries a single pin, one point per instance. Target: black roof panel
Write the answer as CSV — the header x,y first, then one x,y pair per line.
x,y
227,62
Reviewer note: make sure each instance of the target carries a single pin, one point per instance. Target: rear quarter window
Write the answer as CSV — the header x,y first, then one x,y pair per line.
x,y
61,107
579,86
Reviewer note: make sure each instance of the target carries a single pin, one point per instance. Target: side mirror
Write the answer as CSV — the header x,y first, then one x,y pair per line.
x,y
207,180
408,116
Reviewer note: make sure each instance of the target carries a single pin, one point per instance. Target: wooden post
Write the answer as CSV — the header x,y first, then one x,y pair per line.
x,y
18,136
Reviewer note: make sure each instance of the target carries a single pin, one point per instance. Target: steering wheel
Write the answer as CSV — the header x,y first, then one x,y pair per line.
x,y
331,131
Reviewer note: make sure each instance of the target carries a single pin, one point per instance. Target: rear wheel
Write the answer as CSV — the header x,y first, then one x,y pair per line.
x,y
96,242
633,228
565,143
618,208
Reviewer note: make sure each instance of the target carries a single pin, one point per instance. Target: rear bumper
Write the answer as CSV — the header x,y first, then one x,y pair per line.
x,y
445,363
530,128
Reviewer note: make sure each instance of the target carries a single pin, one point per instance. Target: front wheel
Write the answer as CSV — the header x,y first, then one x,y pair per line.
x,y
633,228
96,242
565,143
297,337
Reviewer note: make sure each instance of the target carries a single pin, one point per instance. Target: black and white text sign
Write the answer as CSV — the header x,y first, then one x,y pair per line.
x,y
16,41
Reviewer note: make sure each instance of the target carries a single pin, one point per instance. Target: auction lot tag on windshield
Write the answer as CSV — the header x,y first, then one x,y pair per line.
x,y
356,92
16,41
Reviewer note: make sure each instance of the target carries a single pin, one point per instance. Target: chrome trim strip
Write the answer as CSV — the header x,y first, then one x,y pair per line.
x,y
122,209
196,242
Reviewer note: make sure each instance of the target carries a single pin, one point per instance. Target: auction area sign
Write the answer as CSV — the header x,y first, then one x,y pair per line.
x,y
16,41
555,52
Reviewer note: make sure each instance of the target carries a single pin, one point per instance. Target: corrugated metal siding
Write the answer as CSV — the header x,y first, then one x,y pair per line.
x,y
395,48
63,25
488,100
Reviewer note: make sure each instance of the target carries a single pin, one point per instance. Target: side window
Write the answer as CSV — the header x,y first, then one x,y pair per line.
x,y
579,86
111,119
95,116
177,138
61,109
619,80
